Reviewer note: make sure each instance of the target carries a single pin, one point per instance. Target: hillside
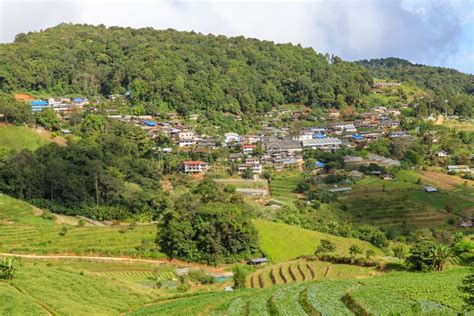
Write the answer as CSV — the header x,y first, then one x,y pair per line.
x,y
18,138
281,242
180,70
443,83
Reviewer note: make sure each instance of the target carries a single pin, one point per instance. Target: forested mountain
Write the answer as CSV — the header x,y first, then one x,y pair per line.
x,y
444,83
185,70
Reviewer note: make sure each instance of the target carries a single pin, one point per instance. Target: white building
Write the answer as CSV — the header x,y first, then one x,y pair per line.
x,y
195,166
231,138
329,143
185,135
442,154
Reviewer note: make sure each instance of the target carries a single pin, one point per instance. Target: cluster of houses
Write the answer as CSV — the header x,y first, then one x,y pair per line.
x,y
59,105
274,146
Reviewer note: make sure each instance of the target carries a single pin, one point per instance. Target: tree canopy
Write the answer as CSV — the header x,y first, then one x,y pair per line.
x,y
182,70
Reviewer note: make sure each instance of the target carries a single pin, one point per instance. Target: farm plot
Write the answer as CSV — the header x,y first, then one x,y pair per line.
x,y
400,293
302,270
282,187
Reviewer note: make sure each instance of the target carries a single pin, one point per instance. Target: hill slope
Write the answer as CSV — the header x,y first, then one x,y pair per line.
x,y
282,242
19,137
183,70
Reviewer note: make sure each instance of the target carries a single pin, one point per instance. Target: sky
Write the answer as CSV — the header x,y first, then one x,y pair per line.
x,y
433,32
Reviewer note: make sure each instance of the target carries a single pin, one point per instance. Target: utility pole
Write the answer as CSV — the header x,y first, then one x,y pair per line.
x,y
446,108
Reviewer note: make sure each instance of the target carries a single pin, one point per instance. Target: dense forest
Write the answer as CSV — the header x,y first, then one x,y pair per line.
x,y
442,83
178,70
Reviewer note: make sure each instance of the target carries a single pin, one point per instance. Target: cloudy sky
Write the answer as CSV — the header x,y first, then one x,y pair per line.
x,y
434,32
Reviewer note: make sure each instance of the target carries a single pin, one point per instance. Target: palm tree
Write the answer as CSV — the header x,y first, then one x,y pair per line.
x,y
439,255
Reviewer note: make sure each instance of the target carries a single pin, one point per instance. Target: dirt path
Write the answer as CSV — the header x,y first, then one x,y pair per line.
x,y
117,259
439,120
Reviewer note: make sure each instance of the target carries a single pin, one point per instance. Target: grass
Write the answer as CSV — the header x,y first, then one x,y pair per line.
x,y
20,137
282,242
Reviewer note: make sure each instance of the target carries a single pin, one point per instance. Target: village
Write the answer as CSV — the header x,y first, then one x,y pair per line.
x,y
275,146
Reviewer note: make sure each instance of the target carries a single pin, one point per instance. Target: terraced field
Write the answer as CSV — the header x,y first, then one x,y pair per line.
x,y
21,231
47,288
305,270
394,208
404,201
374,296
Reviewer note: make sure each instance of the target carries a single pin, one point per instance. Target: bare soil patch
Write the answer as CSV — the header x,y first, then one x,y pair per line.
x,y
444,181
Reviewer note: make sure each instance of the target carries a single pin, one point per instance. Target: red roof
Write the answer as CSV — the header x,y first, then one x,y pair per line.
x,y
195,162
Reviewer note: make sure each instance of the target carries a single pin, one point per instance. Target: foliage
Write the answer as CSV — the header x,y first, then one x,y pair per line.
x,y
325,246
206,227
104,176
426,256
354,250
468,288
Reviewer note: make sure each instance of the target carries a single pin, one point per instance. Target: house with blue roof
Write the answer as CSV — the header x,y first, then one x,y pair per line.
x,y
149,123
318,164
38,105
357,136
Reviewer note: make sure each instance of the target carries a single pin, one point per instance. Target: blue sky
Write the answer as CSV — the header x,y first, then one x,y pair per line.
x,y
434,32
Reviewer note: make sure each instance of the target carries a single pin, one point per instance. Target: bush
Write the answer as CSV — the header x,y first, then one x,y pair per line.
x,y
240,275
324,247
201,277
8,267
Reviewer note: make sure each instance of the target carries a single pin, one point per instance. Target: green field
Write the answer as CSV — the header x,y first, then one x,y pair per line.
x,y
282,242
20,137
391,294
283,186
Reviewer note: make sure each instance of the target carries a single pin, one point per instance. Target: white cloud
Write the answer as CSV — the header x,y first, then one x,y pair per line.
x,y
422,31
